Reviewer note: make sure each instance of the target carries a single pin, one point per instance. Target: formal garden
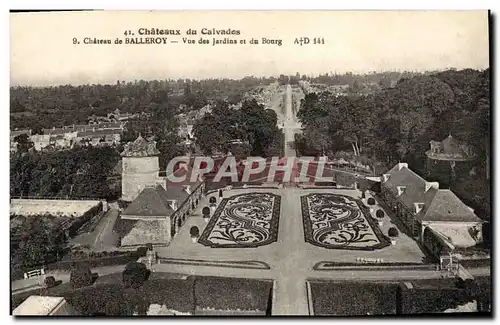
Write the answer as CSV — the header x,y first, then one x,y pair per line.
x,y
340,222
245,220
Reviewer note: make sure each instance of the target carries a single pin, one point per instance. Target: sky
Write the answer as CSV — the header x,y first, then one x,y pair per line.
x,y
42,52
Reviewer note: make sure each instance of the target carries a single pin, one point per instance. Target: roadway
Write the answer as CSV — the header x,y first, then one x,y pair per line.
x,y
290,125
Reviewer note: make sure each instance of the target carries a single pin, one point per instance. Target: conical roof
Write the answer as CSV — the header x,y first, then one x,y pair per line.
x,y
140,148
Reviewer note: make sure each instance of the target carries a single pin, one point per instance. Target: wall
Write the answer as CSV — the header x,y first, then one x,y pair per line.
x,y
65,207
137,173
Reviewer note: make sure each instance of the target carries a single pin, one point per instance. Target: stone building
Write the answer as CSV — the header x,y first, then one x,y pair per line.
x,y
448,157
436,217
140,168
158,209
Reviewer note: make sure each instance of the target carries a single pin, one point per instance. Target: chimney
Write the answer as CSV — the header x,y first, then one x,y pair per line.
x,y
401,190
187,188
401,165
173,204
385,177
429,185
418,207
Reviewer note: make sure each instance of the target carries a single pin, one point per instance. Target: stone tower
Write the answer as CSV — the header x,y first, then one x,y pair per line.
x,y
140,167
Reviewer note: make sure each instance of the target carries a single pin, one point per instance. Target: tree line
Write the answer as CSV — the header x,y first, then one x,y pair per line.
x,y
44,107
251,130
74,173
398,123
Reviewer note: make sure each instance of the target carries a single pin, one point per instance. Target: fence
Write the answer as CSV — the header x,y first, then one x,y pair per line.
x,y
34,273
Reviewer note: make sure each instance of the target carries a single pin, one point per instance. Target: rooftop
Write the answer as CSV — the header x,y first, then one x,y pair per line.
x,y
38,306
140,148
449,149
151,202
438,204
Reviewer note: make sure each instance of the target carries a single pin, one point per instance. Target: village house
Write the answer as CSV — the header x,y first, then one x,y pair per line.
x,y
158,208
436,217
449,157
99,137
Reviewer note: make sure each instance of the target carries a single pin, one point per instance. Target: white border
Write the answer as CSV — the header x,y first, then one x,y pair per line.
x,y
201,5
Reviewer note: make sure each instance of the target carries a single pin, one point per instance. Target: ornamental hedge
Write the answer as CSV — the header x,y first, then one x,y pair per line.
x,y
80,277
135,274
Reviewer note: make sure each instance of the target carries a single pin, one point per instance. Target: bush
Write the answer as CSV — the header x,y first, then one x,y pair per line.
x,y
194,231
149,246
371,201
221,194
135,274
80,277
141,251
212,200
393,232
380,213
50,282
206,212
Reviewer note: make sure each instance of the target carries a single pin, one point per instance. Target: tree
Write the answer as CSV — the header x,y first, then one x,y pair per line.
x,y
36,241
24,143
252,129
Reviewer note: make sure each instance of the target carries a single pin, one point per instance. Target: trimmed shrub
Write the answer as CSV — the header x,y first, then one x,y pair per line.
x,y
393,232
50,282
380,213
135,274
194,231
80,277
212,200
221,194
206,212
371,201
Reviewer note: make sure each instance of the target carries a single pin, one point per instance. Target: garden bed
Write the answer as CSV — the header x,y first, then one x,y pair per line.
x,y
244,220
339,222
